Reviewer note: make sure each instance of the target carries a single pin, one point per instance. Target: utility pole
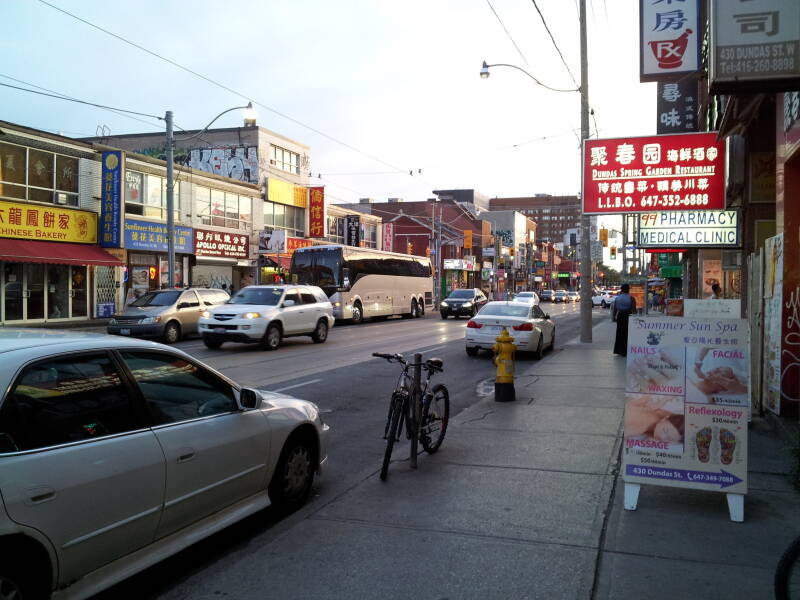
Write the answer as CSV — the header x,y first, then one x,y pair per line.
x,y
586,250
624,246
170,203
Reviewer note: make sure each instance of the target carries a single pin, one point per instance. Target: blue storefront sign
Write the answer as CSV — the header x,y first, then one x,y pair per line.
x,y
111,200
145,235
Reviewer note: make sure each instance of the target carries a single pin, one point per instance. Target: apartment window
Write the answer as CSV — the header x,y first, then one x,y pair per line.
x,y
222,209
146,195
281,216
201,197
39,175
285,160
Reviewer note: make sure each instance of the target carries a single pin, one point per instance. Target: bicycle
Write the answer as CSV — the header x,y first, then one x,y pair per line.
x,y
434,409
787,575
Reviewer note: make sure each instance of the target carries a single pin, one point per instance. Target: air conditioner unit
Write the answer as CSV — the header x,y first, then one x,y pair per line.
x,y
59,198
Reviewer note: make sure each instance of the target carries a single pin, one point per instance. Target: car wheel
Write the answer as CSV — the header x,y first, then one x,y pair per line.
x,y
294,475
172,333
444,315
553,341
358,313
20,581
272,337
472,351
603,304
539,354
211,344
321,332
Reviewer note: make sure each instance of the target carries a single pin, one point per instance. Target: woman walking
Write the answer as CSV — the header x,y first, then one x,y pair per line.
x,y
624,305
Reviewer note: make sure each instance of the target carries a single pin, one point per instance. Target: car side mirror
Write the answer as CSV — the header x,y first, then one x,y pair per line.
x,y
547,316
249,399
288,303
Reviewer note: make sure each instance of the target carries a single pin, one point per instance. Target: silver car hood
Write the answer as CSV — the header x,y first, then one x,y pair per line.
x,y
139,311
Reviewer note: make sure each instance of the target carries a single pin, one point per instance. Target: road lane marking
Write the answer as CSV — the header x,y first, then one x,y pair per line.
x,y
296,385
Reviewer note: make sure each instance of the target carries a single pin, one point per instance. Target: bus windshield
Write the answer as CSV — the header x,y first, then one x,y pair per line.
x,y
321,267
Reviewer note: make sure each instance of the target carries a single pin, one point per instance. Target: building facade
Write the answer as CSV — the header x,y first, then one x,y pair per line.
x,y
553,214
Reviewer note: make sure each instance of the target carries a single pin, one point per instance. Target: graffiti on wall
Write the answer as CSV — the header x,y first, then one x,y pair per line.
x,y
791,342
234,162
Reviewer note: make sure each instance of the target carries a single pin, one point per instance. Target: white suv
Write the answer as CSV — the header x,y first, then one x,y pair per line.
x,y
265,314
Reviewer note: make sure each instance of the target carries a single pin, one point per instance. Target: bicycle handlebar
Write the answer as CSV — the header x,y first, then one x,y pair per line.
x,y
389,357
427,365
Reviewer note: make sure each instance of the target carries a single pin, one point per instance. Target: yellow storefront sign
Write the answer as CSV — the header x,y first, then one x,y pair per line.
x,y
283,192
47,223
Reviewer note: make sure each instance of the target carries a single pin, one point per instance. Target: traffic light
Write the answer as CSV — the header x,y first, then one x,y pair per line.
x,y
408,247
604,237
512,252
613,252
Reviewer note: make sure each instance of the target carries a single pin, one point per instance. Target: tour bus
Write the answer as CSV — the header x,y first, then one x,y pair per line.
x,y
363,283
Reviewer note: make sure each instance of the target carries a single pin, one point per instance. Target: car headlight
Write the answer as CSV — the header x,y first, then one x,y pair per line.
x,y
206,314
337,304
112,322
251,315
442,303
467,304
148,320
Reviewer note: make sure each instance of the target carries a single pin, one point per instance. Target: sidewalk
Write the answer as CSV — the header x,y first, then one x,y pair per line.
x,y
523,501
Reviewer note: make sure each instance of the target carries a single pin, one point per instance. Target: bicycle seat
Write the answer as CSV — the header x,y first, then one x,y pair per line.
x,y
435,363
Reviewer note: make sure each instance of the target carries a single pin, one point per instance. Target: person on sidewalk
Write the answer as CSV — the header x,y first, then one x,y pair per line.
x,y
624,304
716,292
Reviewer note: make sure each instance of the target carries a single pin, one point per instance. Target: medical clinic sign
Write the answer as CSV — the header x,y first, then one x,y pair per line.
x,y
660,172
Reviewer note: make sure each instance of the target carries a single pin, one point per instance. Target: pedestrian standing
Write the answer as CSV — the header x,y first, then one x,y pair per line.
x,y
716,292
624,305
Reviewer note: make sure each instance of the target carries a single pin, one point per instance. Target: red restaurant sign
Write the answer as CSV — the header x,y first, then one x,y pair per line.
x,y
217,243
293,243
659,172
316,212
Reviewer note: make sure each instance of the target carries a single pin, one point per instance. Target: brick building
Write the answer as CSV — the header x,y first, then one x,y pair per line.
x,y
553,214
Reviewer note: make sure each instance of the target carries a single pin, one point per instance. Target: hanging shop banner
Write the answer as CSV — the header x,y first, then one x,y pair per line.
x,y
468,238
145,235
353,230
677,107
669,39
754,41
110,202
388,237
217,243
662,172
706,228
316,212
47,223
293,243
687,399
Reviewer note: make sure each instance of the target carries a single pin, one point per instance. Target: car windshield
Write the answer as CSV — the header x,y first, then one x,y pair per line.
x,y
502,309
561,293
525,295
461,294
157,299
253,295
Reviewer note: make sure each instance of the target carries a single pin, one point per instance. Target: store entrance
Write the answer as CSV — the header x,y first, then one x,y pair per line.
x,y
35,292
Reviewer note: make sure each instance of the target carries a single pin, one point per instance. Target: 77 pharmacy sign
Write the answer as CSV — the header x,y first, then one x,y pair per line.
x,y
660,172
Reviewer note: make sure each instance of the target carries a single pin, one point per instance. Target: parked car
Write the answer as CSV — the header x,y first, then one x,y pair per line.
x,y
546,295
573,296
165,314
530,327
529,297
117,453
265,314
466,302
560,296
603,299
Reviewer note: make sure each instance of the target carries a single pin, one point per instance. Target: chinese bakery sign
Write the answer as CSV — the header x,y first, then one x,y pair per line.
x,y
217,243
661,172
687,399
669,39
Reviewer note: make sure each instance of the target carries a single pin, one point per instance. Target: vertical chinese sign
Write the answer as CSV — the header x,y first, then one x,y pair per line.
x,y
316,212
388,237
110,206
353,230
687,399
669,34
677,106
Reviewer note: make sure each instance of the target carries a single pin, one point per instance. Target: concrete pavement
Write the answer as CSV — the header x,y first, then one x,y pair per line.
x,y
524,501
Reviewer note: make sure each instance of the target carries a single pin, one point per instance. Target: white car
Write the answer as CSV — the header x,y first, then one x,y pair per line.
x,y
265,314
117,453
603,299
531,328
529,297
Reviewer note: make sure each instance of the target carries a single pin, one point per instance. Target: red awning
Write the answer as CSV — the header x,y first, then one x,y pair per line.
x,y
55,252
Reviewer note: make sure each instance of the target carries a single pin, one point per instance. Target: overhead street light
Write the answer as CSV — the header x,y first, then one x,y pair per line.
x,y
249,121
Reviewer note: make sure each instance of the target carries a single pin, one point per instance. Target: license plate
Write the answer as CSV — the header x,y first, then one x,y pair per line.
x,y
220,329
493,329
124,331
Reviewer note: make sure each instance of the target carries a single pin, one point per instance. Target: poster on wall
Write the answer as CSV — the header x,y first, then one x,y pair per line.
x,y
272,240
773,307
712,274
687,400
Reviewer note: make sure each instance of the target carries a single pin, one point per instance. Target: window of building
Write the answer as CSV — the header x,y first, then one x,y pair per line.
x,y
281,216
38,175
146,195
285,160
335,230
369,235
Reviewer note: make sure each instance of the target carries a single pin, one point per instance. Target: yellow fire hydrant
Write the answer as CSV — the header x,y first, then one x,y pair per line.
x,y
504,349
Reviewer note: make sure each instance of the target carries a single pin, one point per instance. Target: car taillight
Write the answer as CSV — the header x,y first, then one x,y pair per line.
x,y
474,325
524,327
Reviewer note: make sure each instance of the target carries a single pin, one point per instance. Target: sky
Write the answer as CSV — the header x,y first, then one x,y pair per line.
x,y
376,88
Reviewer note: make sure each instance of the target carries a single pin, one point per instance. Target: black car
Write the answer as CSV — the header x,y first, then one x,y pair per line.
x,y
462,303
546,295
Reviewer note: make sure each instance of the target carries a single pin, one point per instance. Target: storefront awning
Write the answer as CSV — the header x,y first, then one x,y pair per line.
x,y
55,253
274,260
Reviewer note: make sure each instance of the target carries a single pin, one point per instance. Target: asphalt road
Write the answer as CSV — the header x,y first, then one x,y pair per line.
x,y
352,390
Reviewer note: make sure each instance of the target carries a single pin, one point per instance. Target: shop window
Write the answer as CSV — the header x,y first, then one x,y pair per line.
x,y
232,210
201,197
38,175
146,195
218,208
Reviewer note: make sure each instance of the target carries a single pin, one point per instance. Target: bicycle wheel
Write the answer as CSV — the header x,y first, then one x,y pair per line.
x,y
787,575
435,416
398,403
395,399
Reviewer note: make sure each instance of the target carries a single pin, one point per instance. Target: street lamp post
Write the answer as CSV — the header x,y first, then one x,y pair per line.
x,y
249,119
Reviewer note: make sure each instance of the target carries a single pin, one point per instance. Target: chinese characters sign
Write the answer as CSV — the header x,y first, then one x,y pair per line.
x,y
217,243
353,230
49,224
755,40
687,398
669,38
677,107
293,243
316,212
666,172
144,235
388,237
110,204
706,228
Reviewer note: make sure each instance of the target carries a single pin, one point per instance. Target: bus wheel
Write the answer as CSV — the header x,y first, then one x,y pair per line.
x,y
421,308
358,313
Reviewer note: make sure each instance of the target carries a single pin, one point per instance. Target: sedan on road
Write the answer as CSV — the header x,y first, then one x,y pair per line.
x,y
531,328
546,295
573,297
529,297
560,296
462,303
117,453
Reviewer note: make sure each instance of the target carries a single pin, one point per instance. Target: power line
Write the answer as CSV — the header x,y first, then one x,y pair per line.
x,y
541,16
507,33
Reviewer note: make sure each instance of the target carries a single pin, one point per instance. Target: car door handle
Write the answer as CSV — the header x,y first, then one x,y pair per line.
x,y
40,494
185,454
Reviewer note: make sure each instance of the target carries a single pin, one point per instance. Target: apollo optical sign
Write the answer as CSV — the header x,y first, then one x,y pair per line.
x,y
706,228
